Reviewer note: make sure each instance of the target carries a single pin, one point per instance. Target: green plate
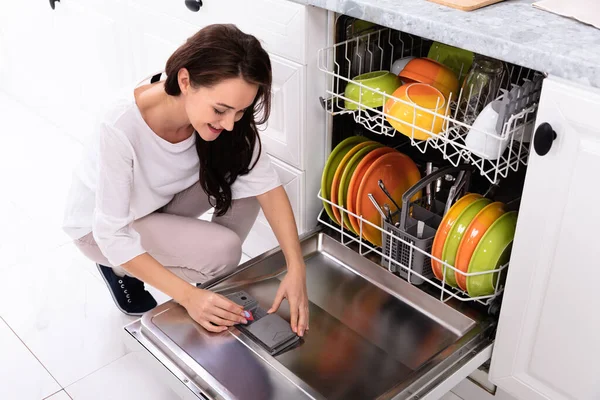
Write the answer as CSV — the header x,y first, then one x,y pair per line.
x,y
492,252
330,167
455,236
347,176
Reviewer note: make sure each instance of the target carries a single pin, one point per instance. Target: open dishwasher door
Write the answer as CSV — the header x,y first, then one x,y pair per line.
x,y
372,335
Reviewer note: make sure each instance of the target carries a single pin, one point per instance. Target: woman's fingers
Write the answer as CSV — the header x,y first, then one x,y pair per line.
x,y
294,315
226,304
302,320
278,299
212,328
220,321
229,316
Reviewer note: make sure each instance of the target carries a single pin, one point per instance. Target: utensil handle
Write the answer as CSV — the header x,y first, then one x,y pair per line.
x,y
417,187
377,206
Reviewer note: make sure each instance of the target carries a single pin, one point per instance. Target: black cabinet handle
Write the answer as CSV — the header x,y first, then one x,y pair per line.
x,y
52,3
193,5
543,139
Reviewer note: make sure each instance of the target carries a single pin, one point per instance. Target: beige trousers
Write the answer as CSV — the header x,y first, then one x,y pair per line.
x,y
193,249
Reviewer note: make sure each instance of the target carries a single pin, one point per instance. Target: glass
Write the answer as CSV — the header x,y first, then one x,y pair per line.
x,y
481,86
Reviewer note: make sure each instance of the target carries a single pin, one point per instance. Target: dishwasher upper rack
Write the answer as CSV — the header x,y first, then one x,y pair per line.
x,y
377,50
387,260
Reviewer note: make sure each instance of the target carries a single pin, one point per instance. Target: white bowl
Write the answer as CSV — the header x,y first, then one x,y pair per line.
x,y
483,139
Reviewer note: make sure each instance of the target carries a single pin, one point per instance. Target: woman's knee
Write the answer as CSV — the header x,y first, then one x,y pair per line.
x,y
226,252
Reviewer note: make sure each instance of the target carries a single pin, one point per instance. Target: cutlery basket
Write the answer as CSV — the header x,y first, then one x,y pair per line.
x,y
404,251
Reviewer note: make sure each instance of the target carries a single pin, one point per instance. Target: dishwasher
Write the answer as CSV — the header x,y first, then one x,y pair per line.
x,y
383,325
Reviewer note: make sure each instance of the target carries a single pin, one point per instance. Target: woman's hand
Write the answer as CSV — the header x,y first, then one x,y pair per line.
x,y
208,308
293,288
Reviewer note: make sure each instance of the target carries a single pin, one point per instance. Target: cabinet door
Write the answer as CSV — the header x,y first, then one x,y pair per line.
x,y
282,137
547,343
261,237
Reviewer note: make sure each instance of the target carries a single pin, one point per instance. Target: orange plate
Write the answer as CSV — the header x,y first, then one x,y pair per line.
x,y
447,222
335,185
356,180
399,173
475,231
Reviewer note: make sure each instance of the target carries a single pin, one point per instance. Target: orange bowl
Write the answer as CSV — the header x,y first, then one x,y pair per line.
x,y
337,177
415,122
475,231
425,70
445,226
356,180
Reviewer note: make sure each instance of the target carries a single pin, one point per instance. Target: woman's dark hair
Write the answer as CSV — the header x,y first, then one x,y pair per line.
x,y
213,54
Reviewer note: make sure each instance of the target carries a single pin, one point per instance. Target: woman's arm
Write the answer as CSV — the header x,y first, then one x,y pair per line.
x,y
276,206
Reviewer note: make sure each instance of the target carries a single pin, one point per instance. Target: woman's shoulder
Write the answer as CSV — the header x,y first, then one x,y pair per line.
x,y
114,110
120,111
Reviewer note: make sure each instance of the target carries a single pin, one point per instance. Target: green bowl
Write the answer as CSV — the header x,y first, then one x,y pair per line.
x,y
455,236
383,81
458,60
492,252
331,166
347,177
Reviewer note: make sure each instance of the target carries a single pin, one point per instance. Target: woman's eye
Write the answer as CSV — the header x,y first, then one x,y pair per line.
x,y
218,112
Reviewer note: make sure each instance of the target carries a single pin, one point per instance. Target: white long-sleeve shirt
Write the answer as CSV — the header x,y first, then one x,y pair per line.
x,y
128,171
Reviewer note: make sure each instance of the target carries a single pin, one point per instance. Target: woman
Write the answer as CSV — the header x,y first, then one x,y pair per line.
x,y
167,152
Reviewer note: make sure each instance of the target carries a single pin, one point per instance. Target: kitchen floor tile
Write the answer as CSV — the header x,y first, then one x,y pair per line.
x,y
63,314
130,377
62,395
21,375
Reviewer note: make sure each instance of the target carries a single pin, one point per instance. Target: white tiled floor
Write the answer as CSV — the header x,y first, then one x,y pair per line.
x,y
61,337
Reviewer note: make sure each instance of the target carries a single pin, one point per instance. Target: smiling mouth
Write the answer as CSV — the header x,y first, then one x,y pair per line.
x,y
212,128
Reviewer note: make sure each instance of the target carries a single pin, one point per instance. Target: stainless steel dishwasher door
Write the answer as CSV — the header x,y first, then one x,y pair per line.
x,y
372,335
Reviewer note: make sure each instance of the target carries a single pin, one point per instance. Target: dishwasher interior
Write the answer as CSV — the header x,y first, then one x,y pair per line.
x,y
474,132
392,316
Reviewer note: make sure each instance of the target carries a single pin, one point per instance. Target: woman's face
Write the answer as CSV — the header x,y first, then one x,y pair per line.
x,y
214,109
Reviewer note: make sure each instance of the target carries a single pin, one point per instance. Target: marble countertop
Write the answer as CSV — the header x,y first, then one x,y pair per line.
x,y
513,31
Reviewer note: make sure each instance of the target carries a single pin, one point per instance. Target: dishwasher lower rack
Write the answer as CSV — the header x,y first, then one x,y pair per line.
x,y
372,335
494,152
402,252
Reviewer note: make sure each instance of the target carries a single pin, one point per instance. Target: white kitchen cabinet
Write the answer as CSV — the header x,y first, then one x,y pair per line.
x,y
261,237
547,340
282,136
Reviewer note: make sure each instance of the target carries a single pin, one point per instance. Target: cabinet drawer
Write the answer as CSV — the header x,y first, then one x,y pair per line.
x,y
280,25
282,137
261,237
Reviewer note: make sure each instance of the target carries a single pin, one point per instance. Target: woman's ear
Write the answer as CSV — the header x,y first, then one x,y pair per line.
x,y
183,79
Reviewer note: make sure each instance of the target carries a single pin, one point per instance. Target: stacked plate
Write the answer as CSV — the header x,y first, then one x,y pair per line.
x,y
352,172
475,235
